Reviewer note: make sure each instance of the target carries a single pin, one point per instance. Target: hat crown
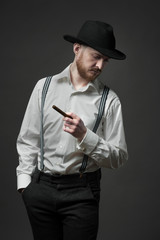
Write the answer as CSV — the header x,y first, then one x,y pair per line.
x,y
99,33
99,36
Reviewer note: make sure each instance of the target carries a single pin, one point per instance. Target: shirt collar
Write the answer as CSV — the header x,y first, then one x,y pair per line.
x,y
65,73
95,84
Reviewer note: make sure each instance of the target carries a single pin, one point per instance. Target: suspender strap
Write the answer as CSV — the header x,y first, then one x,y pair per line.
x,y
99,117
101,108
43,97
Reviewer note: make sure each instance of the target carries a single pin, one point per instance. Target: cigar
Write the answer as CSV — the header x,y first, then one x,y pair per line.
x,y
61,112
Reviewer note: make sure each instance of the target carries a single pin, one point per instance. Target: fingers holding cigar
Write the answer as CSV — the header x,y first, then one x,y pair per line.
x,y
72,124
71,120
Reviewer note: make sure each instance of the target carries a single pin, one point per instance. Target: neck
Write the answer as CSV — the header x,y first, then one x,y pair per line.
x,y
77,81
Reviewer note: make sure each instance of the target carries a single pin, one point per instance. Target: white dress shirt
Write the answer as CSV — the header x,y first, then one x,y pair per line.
x,y
63,153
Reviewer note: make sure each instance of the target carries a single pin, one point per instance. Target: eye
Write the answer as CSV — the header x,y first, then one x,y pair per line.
x,y
106,60
97,57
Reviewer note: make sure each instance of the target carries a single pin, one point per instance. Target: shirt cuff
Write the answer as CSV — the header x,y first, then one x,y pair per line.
x,y
88,143
23,180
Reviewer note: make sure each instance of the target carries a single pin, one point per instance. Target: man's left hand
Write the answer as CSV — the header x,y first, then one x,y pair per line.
x,y
74,126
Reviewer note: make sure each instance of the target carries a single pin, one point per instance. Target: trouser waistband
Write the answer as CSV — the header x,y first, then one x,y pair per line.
x,y
70,178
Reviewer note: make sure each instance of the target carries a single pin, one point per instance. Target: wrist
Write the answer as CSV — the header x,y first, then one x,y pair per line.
x,y
83,135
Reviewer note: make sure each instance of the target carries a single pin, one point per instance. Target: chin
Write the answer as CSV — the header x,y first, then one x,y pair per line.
x,y
92,76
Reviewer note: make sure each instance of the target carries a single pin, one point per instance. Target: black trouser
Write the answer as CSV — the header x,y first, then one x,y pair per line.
x,y
63,207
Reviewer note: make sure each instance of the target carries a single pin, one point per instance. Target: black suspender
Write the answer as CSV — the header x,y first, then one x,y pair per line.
x,y
43,97
99,117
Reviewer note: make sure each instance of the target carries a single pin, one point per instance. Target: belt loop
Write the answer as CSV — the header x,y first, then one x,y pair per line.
x,y
37,176
80,174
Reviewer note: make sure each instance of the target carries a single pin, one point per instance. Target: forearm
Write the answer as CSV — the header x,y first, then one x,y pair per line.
x,y
104,153
27,161
28,141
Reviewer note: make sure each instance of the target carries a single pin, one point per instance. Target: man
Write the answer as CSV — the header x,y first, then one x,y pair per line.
x,y
62,196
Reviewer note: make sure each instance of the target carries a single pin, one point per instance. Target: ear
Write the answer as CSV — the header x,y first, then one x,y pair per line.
x,y
76,48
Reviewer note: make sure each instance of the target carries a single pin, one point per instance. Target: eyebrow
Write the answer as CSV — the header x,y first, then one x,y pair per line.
x,y
101,55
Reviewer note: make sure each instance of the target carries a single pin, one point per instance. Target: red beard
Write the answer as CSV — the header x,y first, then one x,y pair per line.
x,y
87,74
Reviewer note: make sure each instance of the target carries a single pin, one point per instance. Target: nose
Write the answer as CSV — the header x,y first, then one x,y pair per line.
x,y
100,64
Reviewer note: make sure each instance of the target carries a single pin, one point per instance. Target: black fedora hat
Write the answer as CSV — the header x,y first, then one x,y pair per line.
x,y
99,36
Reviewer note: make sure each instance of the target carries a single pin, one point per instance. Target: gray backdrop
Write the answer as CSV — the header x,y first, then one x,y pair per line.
x,y
32,47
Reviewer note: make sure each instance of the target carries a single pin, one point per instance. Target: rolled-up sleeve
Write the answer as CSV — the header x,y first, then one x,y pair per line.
x,y
109,151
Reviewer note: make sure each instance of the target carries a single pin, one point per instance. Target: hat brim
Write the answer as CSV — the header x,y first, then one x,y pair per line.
x,y
115,54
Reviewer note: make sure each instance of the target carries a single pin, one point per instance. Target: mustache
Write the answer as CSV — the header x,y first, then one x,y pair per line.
x,y
96,70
